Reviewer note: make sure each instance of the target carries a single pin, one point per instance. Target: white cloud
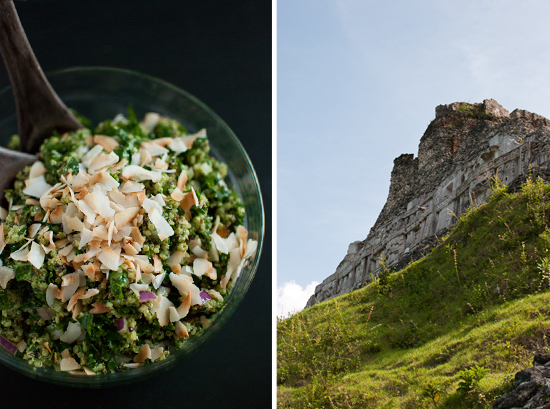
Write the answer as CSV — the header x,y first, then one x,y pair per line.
x,y
292,298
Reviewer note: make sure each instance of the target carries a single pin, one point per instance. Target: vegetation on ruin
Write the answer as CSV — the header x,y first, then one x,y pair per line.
x,y
448,331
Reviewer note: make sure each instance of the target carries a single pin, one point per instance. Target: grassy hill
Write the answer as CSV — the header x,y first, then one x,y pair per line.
x,y
448,331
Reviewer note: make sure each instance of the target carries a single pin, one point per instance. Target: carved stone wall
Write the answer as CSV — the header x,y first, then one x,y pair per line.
x,y
460,151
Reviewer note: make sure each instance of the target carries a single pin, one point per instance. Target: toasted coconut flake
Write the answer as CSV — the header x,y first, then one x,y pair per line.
x,y
99,204
123,234
177,195
90,293
202,266
36,255
147,278
131,187
144,353
181,330
182,181
50,247
174,316
178,145
190,199
220,243
189,139
197,250
175,258
52,292
160,164
88,371
68,364
69,286
215,295
126,201
231,242
99,308
154,149
184,307
129,249
109,258
92,153
185,286
251,247
232,264
85,237
37,169
156,353
21,254
145,156
102,161
161,308
108,143
157,264
80,180
89,270
137,288
56,216
74,330
150,120
143,262
137,236
119,165
124,217
6,274
75,224
105,181
158,280
77,310
37,187
21,346
101,232
139,174
136,159
88,211
3,214
65,251
62,243
164,230
76,296
32,202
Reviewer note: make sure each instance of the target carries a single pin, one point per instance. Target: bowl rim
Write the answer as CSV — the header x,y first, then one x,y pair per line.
x,y
130,376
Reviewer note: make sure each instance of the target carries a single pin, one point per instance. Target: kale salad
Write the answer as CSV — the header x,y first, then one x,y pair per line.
x,y
118,245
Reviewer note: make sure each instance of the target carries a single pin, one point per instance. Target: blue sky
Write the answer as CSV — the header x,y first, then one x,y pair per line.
x,y
358,82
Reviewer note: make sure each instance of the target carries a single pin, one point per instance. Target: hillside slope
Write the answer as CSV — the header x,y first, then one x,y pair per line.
x,y
479,298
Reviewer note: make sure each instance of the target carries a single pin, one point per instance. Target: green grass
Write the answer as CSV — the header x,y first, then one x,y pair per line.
x,y
480,298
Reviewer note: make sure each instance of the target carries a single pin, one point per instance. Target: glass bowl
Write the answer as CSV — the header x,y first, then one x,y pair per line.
x,y
100,93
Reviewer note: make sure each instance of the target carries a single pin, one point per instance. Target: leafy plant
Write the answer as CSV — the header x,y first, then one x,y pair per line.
x,y
470,378
433,391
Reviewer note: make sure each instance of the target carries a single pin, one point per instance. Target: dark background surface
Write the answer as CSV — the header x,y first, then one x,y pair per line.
x,y
219,51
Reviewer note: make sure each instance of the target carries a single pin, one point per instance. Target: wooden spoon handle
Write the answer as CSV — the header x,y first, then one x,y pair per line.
x,y
39,109
11,162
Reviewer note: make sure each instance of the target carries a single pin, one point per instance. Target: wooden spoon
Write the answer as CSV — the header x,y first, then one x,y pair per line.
x,y
39,110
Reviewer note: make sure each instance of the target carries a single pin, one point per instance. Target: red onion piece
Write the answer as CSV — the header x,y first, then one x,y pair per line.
x,y
145,296
45,313
12,349
204,296
121,324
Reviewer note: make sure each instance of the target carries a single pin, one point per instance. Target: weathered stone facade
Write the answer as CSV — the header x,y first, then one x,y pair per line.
x,y
460,151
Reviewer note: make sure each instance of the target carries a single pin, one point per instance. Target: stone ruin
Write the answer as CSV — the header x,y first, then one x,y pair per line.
x,y
462,149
